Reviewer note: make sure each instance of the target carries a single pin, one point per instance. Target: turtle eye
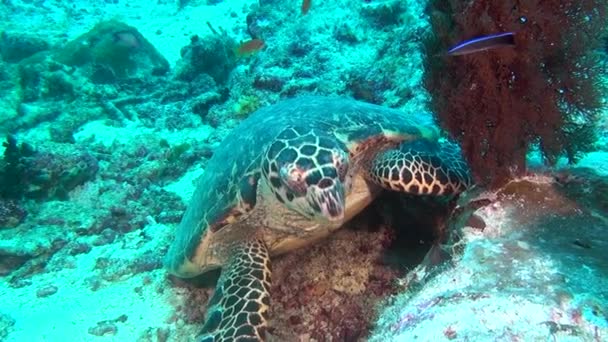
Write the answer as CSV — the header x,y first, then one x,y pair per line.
x,y
294,178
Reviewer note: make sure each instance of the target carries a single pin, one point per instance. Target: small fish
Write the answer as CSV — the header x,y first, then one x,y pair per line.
x,y
483,43
249,47
305,6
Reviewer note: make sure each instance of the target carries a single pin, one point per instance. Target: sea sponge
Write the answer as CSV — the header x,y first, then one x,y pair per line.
x,y
546,90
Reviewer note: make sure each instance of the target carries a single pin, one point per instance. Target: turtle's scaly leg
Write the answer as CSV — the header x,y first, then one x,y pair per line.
x,y
421,167
238,310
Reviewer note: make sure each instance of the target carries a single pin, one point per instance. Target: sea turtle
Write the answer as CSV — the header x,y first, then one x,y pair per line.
x,y
289,175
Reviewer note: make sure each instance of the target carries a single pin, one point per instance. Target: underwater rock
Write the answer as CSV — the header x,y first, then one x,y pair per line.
x,y
394,78
275,18
147,165
31,115
212,55
11,262
196,3
111,51
529,264
24,258
16,46
245,105
63,119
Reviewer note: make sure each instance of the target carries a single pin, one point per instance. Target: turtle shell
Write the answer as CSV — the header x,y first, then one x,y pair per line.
x,y
227,189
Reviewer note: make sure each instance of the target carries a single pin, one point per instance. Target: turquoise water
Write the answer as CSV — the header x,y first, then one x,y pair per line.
x,y
111,111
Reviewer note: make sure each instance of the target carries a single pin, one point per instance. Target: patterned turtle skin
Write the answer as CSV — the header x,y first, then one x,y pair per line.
x,y
289,175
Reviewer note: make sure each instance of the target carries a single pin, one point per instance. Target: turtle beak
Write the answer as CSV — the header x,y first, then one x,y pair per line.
x,y
330,201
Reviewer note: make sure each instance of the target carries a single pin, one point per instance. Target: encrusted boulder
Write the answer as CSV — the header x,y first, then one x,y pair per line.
x,y
529,263
113,50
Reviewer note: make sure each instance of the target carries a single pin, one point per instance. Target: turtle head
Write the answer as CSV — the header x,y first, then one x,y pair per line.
x,y
318,191
308,174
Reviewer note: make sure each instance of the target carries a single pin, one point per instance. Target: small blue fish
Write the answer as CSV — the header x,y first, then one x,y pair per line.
x,y
483,43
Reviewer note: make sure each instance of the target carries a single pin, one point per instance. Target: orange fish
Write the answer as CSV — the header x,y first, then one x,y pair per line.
x,y
249,47
305,6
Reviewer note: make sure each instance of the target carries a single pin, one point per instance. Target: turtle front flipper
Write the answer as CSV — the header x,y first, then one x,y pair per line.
x,y
238,310
421,167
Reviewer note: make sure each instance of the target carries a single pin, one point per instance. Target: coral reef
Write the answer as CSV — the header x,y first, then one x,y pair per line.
x,y
25,172
11,214
204,69
382,69
54,175
100,74
212,55
498,103
13,168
